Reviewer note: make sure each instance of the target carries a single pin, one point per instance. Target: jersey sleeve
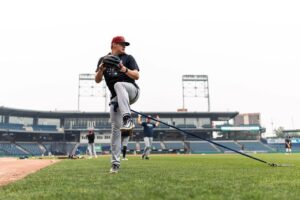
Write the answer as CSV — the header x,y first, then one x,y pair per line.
x,y
131,63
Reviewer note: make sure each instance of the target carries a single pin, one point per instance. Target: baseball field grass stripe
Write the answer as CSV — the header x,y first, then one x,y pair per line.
x,y
162,177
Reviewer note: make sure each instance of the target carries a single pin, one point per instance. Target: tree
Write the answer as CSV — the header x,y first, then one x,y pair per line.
x,y
279,132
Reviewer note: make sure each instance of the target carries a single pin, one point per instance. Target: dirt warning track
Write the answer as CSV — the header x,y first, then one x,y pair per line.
x,y
12,169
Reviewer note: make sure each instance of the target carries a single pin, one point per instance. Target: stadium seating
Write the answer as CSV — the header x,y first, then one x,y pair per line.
x,y
12,150
105,147
281,147
103,126
163,126
46,128
31,148
64,148
12,126
79,127
131,146
156,146
2,153
202,147
206,126
59,148
255,146
231,144
173,147
186,126
142,146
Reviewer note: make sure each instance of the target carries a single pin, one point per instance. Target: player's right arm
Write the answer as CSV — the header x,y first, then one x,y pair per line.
x,y
139,119
157,123
99,73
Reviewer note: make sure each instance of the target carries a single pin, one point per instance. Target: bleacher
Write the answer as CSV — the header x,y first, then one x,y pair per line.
x,y
31,148
281,147
186,126
59,148
156,146
277,147
105,147
78,127
255,146
163,126
103,126
47,128
202,147
11,149
142,146
231,144
47,147
131,146
82,149
173,147
195,147
12,126
2,153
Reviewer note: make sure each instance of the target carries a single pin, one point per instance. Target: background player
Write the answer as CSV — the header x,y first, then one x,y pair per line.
x,y
288,145
125,139
91,145
148,134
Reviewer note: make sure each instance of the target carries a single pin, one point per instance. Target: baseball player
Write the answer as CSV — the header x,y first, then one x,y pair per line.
x,y
288,145
148,134
120,72
125,139
91,145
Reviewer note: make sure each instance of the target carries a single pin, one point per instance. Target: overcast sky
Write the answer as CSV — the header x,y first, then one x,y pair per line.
x,y
249,50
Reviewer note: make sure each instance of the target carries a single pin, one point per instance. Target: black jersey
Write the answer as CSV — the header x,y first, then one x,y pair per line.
x,y
288,143
91,137
148,129
111,77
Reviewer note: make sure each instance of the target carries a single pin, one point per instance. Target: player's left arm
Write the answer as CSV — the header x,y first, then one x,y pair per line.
x,y
130,68
157,122
134,74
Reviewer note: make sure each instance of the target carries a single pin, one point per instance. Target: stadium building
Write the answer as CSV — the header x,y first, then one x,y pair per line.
x,y
30,132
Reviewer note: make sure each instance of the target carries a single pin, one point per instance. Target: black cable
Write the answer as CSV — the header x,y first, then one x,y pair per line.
x,y
188,133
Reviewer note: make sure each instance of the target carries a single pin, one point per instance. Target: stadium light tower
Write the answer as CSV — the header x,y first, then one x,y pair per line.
x,y
195,86
88,88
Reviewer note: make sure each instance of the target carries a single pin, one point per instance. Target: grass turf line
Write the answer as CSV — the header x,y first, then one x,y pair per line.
x,y
163,177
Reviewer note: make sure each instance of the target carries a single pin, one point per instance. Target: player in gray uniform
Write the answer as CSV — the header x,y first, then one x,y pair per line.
x,y
91,146
124,92
148,134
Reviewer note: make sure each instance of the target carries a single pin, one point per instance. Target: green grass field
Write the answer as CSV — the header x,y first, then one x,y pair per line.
x,y
163,177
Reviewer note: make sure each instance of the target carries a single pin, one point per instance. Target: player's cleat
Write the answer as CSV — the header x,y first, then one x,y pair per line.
x,y
147,158
114,169
124,158
127,124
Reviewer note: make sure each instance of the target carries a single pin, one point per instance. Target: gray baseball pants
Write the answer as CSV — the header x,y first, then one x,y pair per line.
x,y
148,143
127,94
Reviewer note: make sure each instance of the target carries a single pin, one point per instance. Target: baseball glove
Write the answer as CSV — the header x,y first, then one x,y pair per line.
x,y
127,133
111,61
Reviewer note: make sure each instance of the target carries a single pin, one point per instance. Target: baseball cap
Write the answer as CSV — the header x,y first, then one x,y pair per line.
x,y
120,39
